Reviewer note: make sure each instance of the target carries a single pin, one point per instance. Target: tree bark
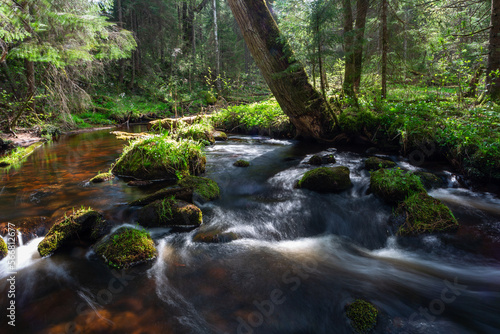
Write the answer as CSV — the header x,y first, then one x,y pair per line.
x,y
348,85
493,77
384,49
285,76
361,11
217,51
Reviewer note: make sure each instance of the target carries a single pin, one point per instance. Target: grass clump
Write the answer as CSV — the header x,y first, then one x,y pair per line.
x,y
395,185
160,157
201,131
202,187
127,247
326,179
264,117
170,212
424,214
363,316
3,249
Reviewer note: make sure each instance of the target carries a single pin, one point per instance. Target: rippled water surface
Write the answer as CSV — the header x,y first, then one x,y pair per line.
x,y
301,256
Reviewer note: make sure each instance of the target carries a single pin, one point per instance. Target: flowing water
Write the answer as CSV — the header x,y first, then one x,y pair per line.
x,y
300,259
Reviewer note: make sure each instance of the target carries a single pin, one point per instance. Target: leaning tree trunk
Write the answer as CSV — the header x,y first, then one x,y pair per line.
x,y
493,77
284,75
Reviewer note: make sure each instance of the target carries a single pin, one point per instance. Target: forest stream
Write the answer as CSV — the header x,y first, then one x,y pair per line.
x,y
300,258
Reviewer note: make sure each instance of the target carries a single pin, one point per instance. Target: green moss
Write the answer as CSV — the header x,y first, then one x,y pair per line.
x,y
363,315
203,187
200,132
127,247
160,157
178,193
430,180
76,227
3,249
102,177
354,121
17,156
241,163
219,136
395,185
315,160
424,214
375,163
326,179
170,212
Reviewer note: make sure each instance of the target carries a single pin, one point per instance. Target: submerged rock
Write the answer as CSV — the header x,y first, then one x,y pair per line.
x,y
202,188
214,236
102,177
29,228
126,247
170,213
326,179
421,213
241,163
362,316
72,229
3,249
395,185
375,163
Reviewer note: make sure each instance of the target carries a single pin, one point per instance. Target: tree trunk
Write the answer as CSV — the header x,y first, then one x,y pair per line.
x,y
384,49
361,11
348,86
121,62
285,76
217,51
493,77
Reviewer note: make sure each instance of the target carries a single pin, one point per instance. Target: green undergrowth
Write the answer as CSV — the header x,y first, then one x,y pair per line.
x,y
264,117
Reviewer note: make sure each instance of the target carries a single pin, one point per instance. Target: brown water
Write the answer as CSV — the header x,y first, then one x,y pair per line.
x,y
301,257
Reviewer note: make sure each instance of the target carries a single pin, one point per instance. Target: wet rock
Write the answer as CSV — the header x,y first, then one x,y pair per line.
x,y
395,185
185,194
362,316
170,213
214,236
29,228
139,183
315,160
328,159
3,249
326,179
429,180
126,247
220,136
241,163
202,188
375,163
102,177
70,230
421,213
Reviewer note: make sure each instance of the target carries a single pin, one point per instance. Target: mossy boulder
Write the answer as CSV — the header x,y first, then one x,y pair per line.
x,y
126,247
74,229
421,213
179,193
170,212
160,158
102,177
429,180
214,236
202,188
395,185
220,136
375,163
199,132
362,316
328,159
3,249
326,179
315,160
241,163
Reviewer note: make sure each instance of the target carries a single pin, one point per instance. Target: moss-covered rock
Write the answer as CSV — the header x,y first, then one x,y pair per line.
x,y
102,177
200,132
214,235
241,163
375,163
429,180
421,213
315,160
160,158
203,188
362,315
328,159
326,179
394,185
126,247
184,194
219,136
69,230
3,249
170,213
